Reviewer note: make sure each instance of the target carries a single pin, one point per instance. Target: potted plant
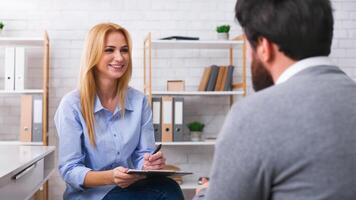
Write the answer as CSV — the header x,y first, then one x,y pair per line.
x,y
196,130
1,26
223,32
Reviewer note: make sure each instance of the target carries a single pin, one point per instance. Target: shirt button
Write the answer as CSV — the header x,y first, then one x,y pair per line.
x,y
114,135
118,153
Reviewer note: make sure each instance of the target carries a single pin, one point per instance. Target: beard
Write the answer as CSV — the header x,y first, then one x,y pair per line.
x,y
261,77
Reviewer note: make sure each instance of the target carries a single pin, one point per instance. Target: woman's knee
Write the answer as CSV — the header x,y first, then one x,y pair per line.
x,y
169,187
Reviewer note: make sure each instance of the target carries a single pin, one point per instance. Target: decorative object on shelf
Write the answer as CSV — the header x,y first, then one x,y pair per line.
x,y
175,85
2,25
223,32
196,130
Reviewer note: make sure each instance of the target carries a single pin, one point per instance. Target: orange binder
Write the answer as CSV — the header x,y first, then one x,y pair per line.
x,y
26,119
167,119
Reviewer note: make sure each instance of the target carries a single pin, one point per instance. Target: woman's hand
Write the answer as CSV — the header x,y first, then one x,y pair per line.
x,y
123,179
155,161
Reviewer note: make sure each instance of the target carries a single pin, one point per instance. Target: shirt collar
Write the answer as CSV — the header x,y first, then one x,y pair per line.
x,y
98,106
301,65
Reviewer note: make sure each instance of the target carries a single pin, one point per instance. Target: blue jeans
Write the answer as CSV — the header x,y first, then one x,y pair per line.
x,y
152,188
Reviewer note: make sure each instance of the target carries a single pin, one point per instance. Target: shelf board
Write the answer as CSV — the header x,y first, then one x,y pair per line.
x,y
21,41
21,143
199,93
195,44
189,143
21,91
189,185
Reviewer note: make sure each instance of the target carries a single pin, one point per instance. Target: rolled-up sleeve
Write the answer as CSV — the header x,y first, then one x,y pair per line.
x,y
71,154
147,141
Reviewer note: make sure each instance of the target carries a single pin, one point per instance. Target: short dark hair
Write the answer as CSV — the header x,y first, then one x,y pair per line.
x,y
300,28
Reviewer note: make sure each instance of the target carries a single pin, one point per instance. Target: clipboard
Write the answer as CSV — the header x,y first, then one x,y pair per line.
x,y
158,172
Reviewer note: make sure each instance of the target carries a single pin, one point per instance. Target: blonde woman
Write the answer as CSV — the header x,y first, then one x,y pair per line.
x,y
105,127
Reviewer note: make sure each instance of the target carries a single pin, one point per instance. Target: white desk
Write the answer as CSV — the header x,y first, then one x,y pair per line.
x,y
24,169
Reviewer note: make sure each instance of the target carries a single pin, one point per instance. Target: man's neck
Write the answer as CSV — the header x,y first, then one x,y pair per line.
x,y
282,63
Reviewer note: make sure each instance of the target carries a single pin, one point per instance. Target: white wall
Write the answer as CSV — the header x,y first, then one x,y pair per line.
x,y
67,22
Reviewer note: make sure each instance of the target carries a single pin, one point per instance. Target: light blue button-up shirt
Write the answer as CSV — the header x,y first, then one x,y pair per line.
x,y
120,141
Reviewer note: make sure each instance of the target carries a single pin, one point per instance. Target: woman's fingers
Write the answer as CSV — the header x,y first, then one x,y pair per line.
x,y
155,156
154,167
157,162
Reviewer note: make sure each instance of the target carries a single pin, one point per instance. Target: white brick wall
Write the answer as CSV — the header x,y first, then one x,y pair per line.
x,y
67,22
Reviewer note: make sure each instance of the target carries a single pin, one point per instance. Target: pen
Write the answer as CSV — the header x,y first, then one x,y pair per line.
x,y
157,149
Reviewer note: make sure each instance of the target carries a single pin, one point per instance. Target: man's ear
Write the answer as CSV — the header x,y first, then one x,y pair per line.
x,y
265,50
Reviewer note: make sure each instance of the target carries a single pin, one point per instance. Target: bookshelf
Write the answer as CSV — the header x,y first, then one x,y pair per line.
x,y
231,47
29,43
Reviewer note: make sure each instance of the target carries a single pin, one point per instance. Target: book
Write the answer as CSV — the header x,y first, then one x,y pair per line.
x,y
212,78
229,77
220,81
158,172
179,38
204,79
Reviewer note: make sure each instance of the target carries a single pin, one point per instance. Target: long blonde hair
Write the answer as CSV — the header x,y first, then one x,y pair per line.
x,y
93,51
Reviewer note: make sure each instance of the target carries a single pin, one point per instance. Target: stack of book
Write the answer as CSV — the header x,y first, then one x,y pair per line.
x,y
217,78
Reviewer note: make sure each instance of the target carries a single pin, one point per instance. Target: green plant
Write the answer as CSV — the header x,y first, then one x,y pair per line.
x,y
223,28
1,25
196,126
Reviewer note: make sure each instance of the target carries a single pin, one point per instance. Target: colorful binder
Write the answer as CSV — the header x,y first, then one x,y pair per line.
x,y
26,119
36,118
156,112
9,68
31,118
167,119
178,119
19,68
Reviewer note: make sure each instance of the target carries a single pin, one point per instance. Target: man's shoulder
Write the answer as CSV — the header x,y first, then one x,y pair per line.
x,y
258,100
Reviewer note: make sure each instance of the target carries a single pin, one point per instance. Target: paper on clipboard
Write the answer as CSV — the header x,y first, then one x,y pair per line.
x,y
158,172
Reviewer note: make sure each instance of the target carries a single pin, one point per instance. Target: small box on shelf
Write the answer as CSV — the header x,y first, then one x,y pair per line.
x,y
175,85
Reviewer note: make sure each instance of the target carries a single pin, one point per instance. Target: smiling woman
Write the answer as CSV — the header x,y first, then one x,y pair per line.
x,y
105,127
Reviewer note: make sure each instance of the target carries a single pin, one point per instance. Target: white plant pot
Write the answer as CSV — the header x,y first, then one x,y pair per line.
x,y
195,136
223,36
